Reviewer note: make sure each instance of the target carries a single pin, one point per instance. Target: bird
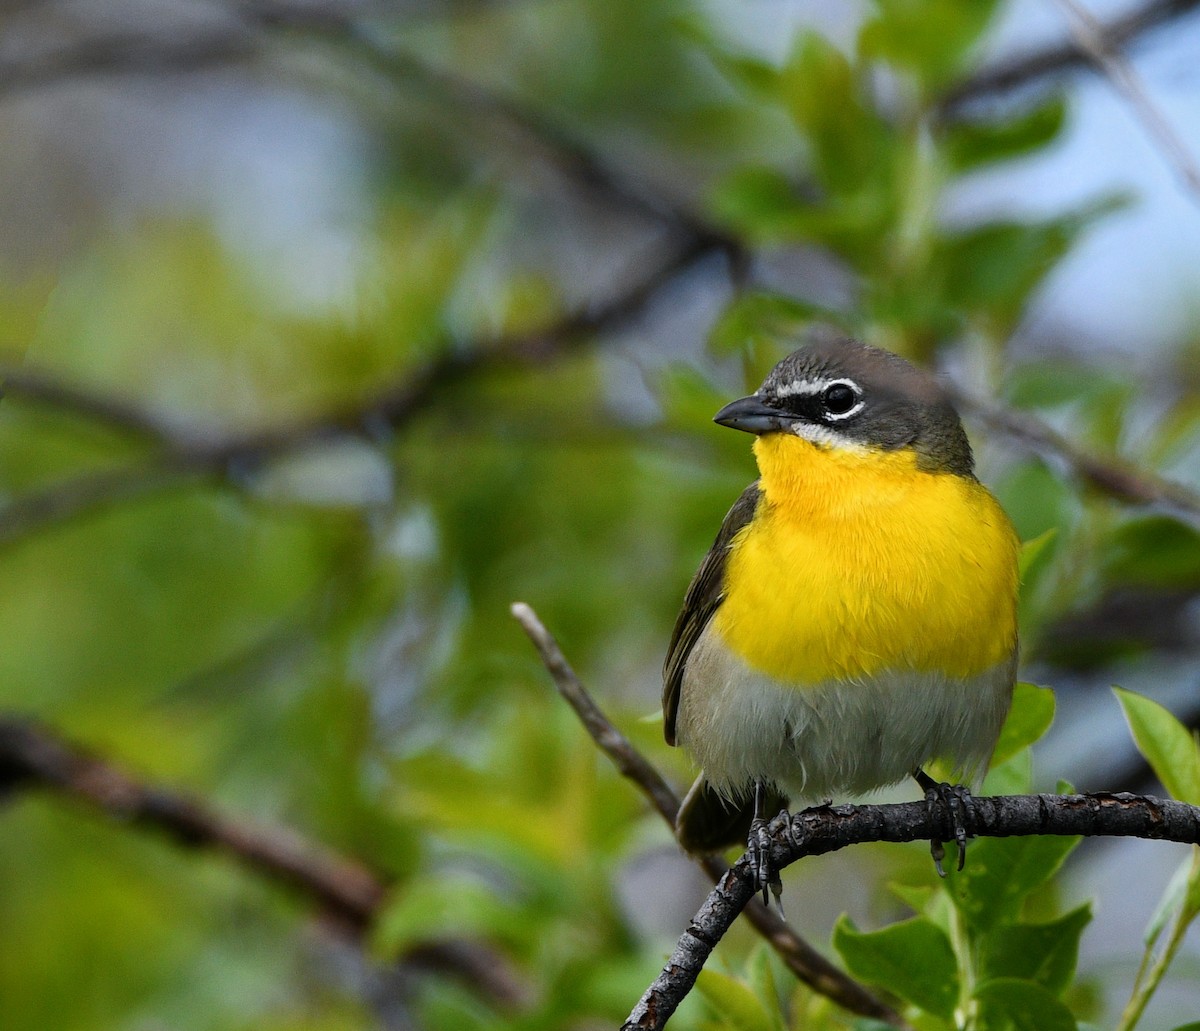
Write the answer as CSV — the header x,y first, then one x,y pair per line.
x,y
856,616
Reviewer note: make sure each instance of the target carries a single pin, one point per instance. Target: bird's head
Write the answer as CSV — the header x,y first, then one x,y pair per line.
x,y
836,392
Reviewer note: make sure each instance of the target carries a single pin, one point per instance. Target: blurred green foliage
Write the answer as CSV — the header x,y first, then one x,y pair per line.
x,y
324,642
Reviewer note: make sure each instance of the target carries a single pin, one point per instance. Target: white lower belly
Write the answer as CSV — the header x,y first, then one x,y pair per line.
x,y
838,738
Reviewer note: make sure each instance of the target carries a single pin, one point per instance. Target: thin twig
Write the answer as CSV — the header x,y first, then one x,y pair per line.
x,y
139,54
126,416
186,456
801,958
32,754
588,169
1032,65
35,756
1089,35
828,828
488,108
1111,476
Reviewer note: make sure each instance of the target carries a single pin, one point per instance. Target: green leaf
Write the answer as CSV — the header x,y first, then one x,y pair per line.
x,y
734,1001
1165,743
1000,874
1032,550
912,958
915,896
761,318
759,201
751,73
1154,552
688,400
1014,776
1173,898
971,144
760,975
1009,1004
996,266
1042,953
1029,718
427,907
1053,382
1194,1026
850,145
1037,499
900,33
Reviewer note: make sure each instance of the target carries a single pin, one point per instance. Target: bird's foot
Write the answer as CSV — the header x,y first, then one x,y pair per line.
x,y
956,802
758,847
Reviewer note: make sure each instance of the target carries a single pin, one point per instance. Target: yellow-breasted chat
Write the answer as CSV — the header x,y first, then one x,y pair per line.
x,y
855,618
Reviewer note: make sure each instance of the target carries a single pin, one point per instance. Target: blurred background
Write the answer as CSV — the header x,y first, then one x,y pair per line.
x,y
330,328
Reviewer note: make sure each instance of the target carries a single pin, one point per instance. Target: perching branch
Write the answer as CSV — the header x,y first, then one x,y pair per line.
x,y
829,828
32,756
801,958
825,829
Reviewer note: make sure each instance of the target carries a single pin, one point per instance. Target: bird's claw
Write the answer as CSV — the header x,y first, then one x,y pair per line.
x,y
766,877
958,805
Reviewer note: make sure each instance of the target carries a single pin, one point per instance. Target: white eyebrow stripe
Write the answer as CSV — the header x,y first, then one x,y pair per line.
x,y
815,386
803,386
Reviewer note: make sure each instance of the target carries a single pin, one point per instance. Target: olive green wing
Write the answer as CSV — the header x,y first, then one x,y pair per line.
x,y
704,595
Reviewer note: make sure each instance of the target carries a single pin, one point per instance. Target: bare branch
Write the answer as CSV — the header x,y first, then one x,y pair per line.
x,y
612,742
1026,68
185,461
129,54
329,24
344,887
1112,476
125,416
801,958
826,829
488,108
1089,35
187,456
829,828
34,755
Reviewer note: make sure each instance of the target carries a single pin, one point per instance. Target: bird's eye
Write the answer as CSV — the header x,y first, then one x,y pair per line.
x,y
839,398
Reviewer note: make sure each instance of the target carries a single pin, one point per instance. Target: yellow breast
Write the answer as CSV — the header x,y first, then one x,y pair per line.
x,y
859,561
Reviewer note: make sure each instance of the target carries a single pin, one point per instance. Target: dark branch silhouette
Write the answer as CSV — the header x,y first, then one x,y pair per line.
x,y
829,828
825,829
187,456
1114,477
33,756
248,36
801,958
1032,65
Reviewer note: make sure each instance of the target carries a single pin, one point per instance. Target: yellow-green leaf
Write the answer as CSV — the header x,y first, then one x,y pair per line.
x,y
1166,744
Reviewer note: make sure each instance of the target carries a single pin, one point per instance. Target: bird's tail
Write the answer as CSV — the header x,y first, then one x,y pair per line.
x,y
710,821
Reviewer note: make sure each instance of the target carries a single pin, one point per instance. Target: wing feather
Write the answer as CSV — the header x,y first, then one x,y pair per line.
x,y
703,598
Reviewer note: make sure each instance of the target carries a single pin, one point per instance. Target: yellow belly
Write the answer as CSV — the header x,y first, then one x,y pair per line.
x,y
859,562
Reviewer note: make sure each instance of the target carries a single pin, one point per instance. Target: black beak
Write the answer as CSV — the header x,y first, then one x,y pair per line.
x,y
752,415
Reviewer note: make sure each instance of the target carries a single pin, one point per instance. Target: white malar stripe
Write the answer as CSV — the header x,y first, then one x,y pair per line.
x,y
823,436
